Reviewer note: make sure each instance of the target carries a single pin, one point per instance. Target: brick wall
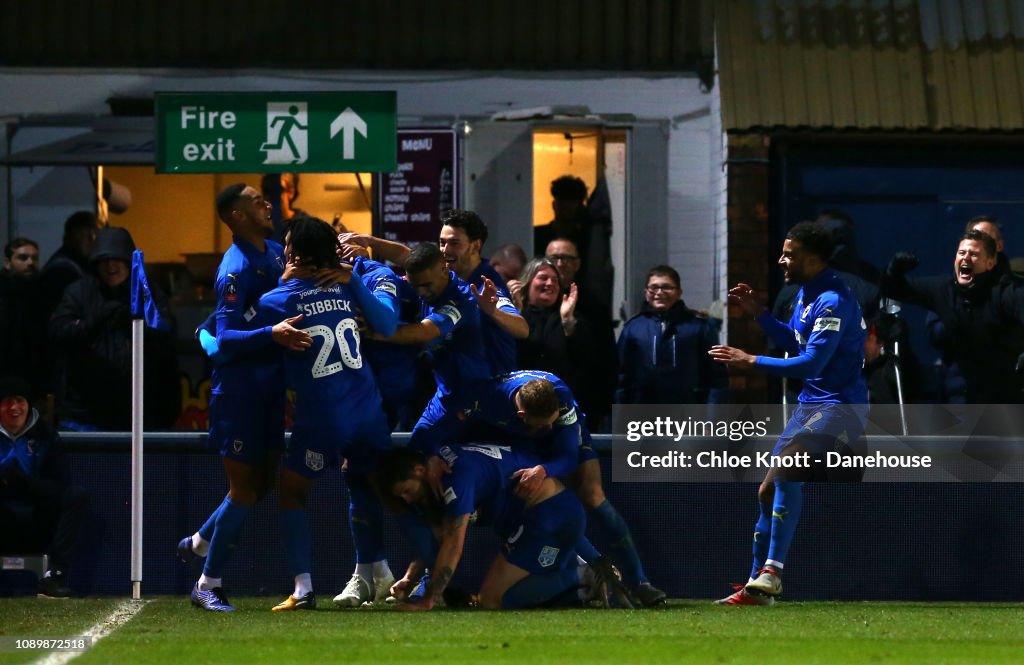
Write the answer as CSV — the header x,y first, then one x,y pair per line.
x,y
751,254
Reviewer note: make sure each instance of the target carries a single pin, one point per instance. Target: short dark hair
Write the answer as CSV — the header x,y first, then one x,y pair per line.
x,y
394,467
227,198
538,398
813,238
980,219
424,256
313,242
79,221
568,188
16,243
663,270
468,221
981,237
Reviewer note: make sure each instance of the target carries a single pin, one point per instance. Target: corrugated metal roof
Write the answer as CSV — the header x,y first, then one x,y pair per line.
x,y
671,35
872,64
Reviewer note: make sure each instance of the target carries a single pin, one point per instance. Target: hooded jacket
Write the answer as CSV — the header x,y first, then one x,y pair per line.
x,y
92,328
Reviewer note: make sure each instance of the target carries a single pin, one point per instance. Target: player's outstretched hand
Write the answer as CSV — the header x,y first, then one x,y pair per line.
x,y
287,335
487,297
360,239
743,296
730,355
400,589
530,481
435,468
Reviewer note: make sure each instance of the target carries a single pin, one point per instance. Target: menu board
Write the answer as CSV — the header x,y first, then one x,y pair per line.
x,y
411,200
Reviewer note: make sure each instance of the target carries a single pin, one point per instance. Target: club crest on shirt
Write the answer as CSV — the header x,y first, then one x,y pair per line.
x,y
547,556
314,460
237,445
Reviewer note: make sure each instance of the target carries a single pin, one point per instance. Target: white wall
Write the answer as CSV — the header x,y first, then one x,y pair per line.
x,y
444,95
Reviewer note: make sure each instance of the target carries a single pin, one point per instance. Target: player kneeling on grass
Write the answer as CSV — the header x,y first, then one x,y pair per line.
x,y
537,566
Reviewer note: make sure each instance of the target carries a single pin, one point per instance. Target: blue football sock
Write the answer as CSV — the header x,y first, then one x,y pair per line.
x,y
226,529
298,541
622,550
762,537
587,551
206,531
554,589
789,499
365,519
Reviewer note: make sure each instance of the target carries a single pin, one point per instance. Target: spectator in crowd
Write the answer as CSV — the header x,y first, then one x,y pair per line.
x,y
40,511
91,327
508,261
663,350
990,226
591,233
564,343
282,190
71,261
982,316
566,256
23,314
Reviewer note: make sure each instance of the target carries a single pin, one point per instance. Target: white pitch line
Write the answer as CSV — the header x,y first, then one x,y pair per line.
x,y
121,615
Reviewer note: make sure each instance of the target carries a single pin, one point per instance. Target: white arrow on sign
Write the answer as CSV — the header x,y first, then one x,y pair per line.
x,y
348,122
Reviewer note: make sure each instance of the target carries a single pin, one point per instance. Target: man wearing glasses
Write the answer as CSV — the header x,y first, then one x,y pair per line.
x,y
663,350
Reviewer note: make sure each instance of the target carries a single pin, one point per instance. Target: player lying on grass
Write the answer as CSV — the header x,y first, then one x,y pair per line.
x,y
539,530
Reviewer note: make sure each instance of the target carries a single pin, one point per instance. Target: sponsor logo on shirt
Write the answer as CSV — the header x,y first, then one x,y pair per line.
x,y
452,312
386,287
827,323
448,455
568,419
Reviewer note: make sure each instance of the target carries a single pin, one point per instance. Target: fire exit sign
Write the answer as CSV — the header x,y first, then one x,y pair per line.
x,y
320,132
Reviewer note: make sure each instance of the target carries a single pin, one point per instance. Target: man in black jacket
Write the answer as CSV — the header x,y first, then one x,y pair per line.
x,y
982,314
91,327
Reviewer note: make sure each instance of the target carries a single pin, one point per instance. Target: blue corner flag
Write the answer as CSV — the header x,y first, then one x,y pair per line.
x,y
143,306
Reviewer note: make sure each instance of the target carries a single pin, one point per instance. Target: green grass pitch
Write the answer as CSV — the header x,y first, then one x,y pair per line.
x,y
169,631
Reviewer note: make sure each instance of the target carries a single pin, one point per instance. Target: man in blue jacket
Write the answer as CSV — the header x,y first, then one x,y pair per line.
x,y
663,350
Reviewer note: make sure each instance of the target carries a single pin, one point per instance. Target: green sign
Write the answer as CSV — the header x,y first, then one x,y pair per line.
x,y
319,132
